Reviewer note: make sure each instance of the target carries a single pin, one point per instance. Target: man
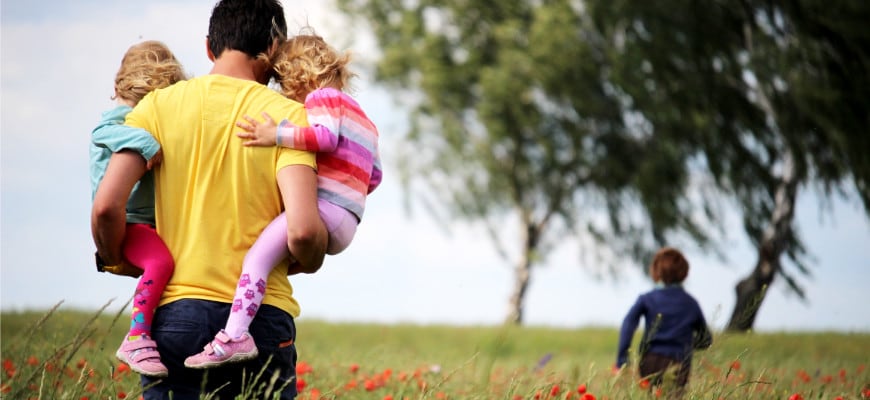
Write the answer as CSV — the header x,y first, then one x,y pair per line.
x,y
213,197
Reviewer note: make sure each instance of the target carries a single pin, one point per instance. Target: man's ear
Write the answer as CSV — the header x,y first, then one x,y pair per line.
x,y
273,48
208,50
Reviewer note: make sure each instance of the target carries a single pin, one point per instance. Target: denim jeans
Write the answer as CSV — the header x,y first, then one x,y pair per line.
x,y
182,328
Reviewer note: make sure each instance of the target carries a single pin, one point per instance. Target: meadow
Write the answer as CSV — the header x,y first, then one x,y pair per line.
x,y
69,354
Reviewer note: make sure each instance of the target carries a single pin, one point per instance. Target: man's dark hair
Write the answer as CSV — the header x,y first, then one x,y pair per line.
x,y
249,26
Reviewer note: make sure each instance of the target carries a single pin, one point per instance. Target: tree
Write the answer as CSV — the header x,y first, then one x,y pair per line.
x,y
783,104
540,109
515,120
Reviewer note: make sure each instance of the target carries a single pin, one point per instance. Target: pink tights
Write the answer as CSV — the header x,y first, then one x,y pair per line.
x,y
143,248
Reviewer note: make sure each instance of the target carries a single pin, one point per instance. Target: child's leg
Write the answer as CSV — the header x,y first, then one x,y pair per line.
x,y
340,224
143,248
269,249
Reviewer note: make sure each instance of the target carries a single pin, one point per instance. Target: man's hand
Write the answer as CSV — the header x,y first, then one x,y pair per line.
x,y
155,160
260,134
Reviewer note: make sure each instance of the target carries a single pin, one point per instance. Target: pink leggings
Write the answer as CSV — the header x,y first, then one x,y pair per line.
x,y
145,249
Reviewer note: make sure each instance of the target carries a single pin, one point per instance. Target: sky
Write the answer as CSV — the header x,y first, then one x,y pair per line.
x,y
57,63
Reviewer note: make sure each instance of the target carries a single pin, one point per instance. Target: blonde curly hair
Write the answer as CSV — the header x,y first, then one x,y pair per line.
x,y
146,66
305,63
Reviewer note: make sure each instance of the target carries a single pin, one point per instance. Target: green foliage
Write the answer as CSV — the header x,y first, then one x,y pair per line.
x,y
555,112
368,361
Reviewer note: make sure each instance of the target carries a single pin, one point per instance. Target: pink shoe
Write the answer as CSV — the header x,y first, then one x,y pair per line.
x,y
223,350
142,357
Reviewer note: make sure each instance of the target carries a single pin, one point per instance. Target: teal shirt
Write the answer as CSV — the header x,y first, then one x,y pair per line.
x,y
111,136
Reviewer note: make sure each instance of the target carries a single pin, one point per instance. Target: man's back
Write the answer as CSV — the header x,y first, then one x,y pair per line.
x,y
213,195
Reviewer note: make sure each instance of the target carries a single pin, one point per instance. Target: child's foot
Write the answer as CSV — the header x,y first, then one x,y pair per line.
x,y
223,350
142,357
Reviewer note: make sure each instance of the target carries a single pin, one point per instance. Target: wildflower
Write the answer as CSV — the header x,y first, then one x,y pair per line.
x,y
804,376
796,396
369,385
735,365
300,384
303,368
32,360
581,389
554,391
587,396
354,368
388,397
440,395
9,367
122,395
658,392
644,384
81,363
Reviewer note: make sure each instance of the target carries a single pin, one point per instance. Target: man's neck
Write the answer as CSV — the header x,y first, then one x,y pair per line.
x,y
237,64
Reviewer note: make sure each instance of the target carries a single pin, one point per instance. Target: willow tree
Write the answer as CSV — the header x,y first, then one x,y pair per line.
x,y
770,95
514,124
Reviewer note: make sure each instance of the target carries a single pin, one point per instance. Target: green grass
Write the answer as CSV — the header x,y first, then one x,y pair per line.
x,y
68,354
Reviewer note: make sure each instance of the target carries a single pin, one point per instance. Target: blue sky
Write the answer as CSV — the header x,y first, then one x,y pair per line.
x,y
58,62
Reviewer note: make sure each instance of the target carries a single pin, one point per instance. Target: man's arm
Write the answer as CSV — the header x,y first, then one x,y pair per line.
x,y
109,212
306,234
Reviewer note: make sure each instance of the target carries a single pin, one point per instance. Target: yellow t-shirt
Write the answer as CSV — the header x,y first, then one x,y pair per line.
x,y
213,196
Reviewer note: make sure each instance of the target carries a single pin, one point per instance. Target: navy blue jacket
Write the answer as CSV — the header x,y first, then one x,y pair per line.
x,y
674,325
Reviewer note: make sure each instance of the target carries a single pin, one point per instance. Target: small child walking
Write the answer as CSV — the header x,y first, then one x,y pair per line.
x,y
146,66
348,169
674,324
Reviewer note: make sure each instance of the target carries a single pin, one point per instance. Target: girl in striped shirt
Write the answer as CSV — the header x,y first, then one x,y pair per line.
x,y
348,169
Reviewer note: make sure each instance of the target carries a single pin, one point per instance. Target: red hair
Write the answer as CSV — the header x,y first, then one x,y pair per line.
x,y
669,266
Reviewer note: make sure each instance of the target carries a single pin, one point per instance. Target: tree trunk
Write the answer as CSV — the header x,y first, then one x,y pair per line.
x,y
522,276
752,289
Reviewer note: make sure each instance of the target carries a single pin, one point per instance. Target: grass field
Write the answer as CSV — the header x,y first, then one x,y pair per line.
x,y
66,354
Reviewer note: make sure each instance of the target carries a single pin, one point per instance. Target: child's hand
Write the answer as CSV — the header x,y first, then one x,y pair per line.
x,y
155,160
260,134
